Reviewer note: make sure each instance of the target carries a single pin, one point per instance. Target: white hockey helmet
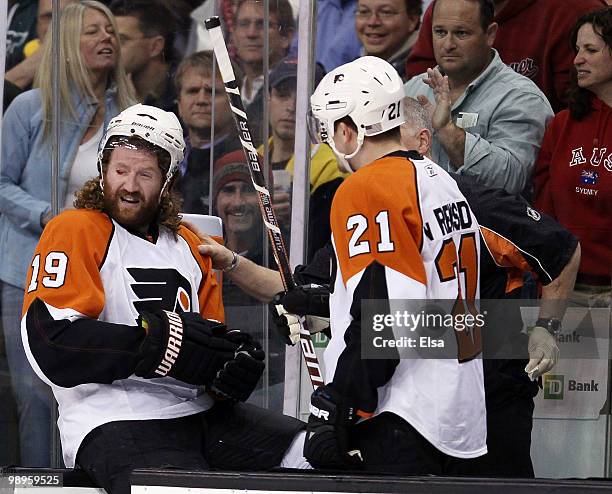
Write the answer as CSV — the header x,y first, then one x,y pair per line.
x,y
160,128
369,90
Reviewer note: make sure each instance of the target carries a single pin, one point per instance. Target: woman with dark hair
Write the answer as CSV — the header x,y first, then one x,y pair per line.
x,y
573,173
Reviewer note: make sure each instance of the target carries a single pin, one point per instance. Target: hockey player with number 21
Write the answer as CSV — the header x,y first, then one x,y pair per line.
x,y
424,416
122,318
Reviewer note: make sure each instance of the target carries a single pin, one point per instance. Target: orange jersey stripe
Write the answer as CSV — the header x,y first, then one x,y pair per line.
x,y
507,255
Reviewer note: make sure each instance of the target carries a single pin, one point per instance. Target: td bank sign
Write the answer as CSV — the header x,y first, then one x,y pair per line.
x,y
555,386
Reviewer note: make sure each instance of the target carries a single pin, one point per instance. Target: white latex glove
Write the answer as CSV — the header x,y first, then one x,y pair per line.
x,y
543,352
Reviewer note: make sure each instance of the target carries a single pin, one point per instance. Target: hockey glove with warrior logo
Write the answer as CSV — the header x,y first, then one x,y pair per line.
x,y
184,346
330,419
239,376
311,301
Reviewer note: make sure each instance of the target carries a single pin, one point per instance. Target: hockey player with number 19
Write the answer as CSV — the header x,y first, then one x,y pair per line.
x,y
424,416
122,319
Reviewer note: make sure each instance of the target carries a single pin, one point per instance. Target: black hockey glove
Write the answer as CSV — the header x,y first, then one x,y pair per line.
x,y
239,376
311,301
305,300
329,424
184,346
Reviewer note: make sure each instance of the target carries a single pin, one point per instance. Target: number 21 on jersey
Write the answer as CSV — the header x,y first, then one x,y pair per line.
x,y
358,223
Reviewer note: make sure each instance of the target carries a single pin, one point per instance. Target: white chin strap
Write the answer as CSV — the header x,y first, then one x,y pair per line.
x,y
343,158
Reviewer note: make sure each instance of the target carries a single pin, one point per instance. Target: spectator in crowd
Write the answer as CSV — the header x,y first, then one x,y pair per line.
x,y
388,29
146,35
19,78
196,103
488,120
531,39
573,173
325,176
248,39
236,203
93,88
21,63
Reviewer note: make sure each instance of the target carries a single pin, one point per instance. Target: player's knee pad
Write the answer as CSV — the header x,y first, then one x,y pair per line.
x,y
246,437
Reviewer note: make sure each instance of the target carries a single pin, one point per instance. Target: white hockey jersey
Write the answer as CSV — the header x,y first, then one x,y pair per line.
x,y
402,220
87,267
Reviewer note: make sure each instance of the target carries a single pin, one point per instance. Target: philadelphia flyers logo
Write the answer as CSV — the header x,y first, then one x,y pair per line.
x,y
160,289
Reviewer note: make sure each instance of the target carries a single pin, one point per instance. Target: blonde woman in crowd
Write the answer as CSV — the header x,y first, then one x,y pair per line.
x,y
93,89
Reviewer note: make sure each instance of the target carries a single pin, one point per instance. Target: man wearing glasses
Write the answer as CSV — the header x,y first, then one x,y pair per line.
x,y
388,29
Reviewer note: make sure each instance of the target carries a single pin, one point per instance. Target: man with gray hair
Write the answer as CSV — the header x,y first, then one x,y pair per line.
x,y
417,120
509,383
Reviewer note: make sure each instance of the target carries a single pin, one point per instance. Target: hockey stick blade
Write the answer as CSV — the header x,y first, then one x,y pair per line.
x,y
213,26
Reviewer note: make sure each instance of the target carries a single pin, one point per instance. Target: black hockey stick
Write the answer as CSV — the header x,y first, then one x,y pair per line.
x,y
213,26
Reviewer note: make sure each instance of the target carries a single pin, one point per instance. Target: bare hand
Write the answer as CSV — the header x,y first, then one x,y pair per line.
x,y
220,255
441,111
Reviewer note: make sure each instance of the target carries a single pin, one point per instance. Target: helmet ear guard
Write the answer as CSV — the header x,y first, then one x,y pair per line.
x,y
159,128
369,90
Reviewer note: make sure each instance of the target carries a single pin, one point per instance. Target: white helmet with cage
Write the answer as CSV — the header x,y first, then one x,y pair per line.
x,y
369,90
160,128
